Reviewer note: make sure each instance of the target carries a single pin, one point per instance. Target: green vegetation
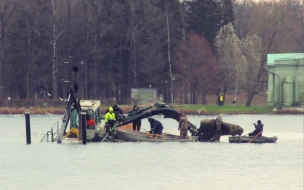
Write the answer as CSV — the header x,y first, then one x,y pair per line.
x,y
215,109
189,109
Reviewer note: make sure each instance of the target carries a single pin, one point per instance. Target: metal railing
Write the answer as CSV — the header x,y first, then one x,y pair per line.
x,y
51,133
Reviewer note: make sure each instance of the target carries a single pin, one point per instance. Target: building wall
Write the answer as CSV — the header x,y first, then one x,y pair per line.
x,y
286,81
143,95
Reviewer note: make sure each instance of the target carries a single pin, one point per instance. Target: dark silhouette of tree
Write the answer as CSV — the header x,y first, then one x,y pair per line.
x,y
29,37
120,44
7,7
206,17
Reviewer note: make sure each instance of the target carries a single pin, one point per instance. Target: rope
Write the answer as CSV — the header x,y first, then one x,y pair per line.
x,y
157,137
72,131
255,137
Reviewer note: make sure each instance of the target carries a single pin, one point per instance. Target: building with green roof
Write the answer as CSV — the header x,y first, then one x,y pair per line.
x,y
285,79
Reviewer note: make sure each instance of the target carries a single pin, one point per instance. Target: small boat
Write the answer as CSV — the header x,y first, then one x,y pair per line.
x,y
138,136
252,139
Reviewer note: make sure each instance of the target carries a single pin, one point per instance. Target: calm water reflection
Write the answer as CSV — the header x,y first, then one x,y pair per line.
x,y
153,165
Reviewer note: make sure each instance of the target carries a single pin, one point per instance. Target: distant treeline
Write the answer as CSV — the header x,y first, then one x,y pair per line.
x,y
170,45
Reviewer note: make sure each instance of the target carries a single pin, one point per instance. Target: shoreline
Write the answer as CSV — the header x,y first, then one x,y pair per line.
x,y
187,111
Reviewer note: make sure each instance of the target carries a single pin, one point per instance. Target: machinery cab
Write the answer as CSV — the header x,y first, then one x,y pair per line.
x,y
95,125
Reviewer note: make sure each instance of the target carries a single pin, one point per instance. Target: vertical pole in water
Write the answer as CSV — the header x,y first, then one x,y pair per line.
x,y
80,126
52,135
84,127
27,127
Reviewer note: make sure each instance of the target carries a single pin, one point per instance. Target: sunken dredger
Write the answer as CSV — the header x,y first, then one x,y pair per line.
x,y
208,130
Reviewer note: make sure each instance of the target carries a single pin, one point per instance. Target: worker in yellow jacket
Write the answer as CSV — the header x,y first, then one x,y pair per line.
x,y
110,119
221,100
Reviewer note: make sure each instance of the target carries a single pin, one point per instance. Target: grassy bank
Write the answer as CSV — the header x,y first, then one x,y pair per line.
x,y
193,109
40,111
258,106
215,109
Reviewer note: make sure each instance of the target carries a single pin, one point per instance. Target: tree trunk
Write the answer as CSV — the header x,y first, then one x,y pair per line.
x,y
95,67
250,96
2,62
54,58
133,48
204,99
169,56
5,15
235,92
29,65
64,89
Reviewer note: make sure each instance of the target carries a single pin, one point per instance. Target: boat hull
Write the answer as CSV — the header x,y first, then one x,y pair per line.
x,y
137,136
247,139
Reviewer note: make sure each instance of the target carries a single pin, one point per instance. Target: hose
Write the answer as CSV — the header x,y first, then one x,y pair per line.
x,y
157,137
73,133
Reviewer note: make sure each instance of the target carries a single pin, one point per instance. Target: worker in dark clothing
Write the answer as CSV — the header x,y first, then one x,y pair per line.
x,y
117,110
258,129
136,123
156,126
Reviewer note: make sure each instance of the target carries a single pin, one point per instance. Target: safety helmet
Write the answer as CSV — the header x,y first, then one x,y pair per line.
x,y
110,109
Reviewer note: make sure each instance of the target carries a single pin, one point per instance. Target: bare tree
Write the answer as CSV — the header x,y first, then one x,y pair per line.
x,y
242,10
231,59
7,7
266,27
256,78
98,28
197,66
31,11
55,18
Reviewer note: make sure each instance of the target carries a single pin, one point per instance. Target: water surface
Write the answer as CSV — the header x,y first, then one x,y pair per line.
x,y
143,165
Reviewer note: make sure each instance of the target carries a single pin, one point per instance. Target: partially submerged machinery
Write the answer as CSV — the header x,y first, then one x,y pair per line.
x,y
207,131
96,131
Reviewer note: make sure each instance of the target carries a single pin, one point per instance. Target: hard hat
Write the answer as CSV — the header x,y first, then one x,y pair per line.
x,y
110,109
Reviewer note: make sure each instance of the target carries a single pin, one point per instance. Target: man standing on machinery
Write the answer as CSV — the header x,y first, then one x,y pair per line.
x,y
109,120
183,125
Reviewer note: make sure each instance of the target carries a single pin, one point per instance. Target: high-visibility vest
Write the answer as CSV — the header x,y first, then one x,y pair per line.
x,y
109,117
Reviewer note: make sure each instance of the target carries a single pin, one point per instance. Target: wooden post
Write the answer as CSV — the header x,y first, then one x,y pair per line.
x,y
80,126
27,127
84,127
52,135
